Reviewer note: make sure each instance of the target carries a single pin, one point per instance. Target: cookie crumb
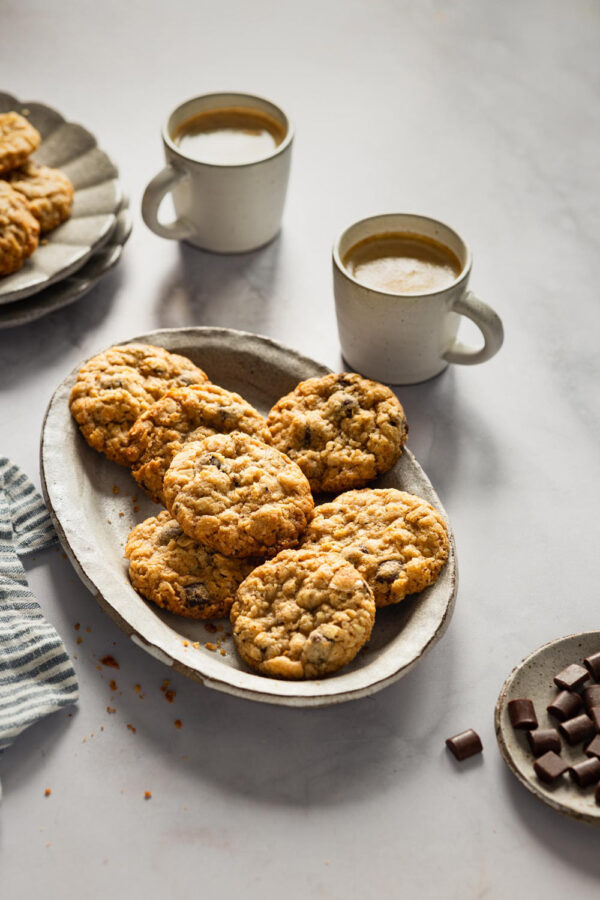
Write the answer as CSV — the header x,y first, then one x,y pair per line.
x,y
110,661
137,688
132,728
112,684
77,626
80,640
178,723
116,489
210,646
196,645
186,643
121,514
47,792
223,652
110,710
165,685
147,795
170,695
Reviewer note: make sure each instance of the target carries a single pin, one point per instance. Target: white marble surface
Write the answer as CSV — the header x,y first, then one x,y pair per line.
x,y
486,115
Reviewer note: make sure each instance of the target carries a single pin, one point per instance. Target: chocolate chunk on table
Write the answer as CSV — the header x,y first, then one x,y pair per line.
x,y
565,705
595,716
522,714
572,677
593,748
549,767
544,739
578,729
591,696
586,772
465,744
592,664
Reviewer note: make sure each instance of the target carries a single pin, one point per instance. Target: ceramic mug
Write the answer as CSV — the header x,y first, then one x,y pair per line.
x,y
219,207
407,338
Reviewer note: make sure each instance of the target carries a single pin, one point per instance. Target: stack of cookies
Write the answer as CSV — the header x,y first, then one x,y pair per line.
x,y
240,535
34,199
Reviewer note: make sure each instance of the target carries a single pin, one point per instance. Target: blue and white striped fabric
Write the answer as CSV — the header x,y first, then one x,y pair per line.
x,y
36,675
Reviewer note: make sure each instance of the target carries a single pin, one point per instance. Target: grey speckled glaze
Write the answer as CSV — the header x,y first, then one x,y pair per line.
x,y
93,523
73,149
533,678
74,286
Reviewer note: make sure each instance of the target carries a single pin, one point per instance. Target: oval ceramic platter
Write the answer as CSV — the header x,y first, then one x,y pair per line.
x,y
74,286
70,147
95,504
533,678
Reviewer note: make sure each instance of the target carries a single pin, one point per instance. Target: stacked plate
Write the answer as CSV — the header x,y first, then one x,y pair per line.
x,y
76,254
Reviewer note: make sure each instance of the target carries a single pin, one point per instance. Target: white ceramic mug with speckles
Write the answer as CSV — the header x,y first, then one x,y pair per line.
x,y
407,338
224,208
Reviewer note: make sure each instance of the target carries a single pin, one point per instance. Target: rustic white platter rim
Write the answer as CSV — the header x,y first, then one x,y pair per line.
x,y
532,678
72,148
79,488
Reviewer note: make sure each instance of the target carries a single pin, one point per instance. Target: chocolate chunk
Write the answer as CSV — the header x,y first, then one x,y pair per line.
x,y
565,705
591,696
593,748
578,729
586,772
388,571
592,664
549,767
595,716
572,677
543,739
522,714
196,595
465,744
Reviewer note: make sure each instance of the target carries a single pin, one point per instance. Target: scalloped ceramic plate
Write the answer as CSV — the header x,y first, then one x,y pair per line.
x,y
70,147
74,286
93,521
533,678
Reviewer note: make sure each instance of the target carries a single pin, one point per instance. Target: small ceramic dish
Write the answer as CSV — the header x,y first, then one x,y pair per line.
x,y
533,678
74,286
71,148
95,504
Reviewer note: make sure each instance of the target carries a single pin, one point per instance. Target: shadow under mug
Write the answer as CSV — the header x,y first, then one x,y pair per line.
x,y
224,208
407,338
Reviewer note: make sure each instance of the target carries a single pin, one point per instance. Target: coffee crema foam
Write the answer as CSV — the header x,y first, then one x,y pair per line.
x,y
402,263
231,135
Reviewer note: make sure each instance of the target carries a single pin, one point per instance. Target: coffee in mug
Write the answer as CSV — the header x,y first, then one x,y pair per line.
x,y
402,263
401,285
229,135
227,166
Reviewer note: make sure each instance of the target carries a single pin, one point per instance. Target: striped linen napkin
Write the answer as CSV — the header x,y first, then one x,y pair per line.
x,y
36,675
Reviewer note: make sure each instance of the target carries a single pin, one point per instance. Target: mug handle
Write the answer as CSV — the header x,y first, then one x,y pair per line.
x,y
488,322
160,185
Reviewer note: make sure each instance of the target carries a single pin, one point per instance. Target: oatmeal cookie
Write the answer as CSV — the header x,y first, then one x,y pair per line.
x,y
182,415
238,495
302,615
342,430
397,541
114,388
18,138
19,230
178,574
48,192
